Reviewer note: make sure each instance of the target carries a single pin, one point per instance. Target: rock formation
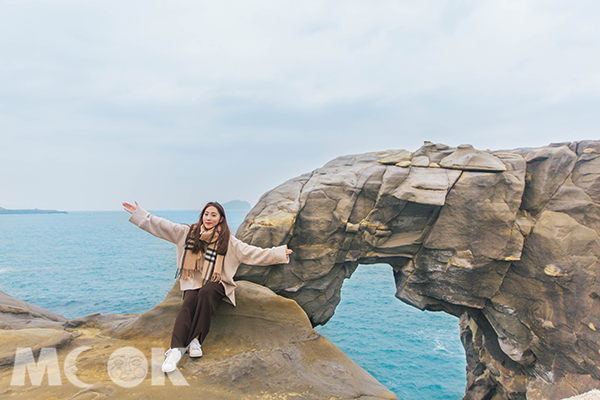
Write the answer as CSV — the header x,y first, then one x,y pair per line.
x,y
506,240
265,348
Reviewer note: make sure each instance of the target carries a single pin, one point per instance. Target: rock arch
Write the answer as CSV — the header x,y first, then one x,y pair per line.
x,y
507,240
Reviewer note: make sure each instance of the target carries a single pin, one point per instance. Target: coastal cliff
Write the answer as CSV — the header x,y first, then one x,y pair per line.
x,y
265,348
508,241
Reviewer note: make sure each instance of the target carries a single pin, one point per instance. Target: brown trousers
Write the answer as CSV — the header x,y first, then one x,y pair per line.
x,y
193,319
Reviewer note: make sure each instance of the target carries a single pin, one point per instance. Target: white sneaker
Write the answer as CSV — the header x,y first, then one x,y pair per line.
x,y
195,350
173,357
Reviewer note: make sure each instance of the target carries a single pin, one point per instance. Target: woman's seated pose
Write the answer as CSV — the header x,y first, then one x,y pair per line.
x,y
208,256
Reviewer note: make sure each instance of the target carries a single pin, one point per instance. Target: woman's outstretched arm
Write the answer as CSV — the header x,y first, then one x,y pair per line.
x,y
253,255
159,227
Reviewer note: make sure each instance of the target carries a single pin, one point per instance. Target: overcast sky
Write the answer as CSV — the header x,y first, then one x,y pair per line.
x,y
175,103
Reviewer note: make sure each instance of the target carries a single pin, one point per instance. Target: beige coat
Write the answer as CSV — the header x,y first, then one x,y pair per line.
x,y
238,251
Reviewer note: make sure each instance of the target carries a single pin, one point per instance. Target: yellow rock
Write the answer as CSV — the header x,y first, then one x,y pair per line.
x,y
395,158
553,270
512,258
33,338
548,325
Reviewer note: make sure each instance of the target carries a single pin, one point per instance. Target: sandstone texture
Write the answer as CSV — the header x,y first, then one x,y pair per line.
x,y
508,241
265,348
591,395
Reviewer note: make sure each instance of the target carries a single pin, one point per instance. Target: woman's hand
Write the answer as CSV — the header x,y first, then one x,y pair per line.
x,y
216,277
288,252
130,208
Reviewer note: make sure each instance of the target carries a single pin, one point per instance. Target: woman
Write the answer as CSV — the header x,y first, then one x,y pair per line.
x,y
208,256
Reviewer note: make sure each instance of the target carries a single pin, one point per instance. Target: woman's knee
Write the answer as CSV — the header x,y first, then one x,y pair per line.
x,y
209,291
206,289
189,298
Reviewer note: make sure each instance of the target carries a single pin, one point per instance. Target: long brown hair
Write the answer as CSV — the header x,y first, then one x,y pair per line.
x,y
221,227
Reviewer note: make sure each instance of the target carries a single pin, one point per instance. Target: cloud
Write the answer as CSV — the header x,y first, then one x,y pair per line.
x,y
109,98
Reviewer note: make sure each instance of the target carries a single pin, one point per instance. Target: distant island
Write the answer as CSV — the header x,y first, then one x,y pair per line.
x,y
234,205
237,205
30,211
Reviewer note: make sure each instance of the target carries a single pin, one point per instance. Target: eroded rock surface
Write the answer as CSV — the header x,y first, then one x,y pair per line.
x,y
17,314
507,241
265,348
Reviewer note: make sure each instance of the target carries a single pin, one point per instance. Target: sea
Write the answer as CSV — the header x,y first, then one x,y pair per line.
x,y
80,263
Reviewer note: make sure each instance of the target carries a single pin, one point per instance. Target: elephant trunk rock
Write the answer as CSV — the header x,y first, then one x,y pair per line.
x,y
508,241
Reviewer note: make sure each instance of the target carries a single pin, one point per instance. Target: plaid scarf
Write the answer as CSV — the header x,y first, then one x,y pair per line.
x,y
209,263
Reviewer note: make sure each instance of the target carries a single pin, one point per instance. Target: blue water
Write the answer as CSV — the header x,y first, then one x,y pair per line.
x,y
416,354
83,262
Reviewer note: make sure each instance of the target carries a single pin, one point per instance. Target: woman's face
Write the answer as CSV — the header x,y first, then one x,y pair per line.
x,y
211,217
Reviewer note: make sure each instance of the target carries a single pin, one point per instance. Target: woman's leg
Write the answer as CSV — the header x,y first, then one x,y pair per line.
x,y
195,315
208,298
183,321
